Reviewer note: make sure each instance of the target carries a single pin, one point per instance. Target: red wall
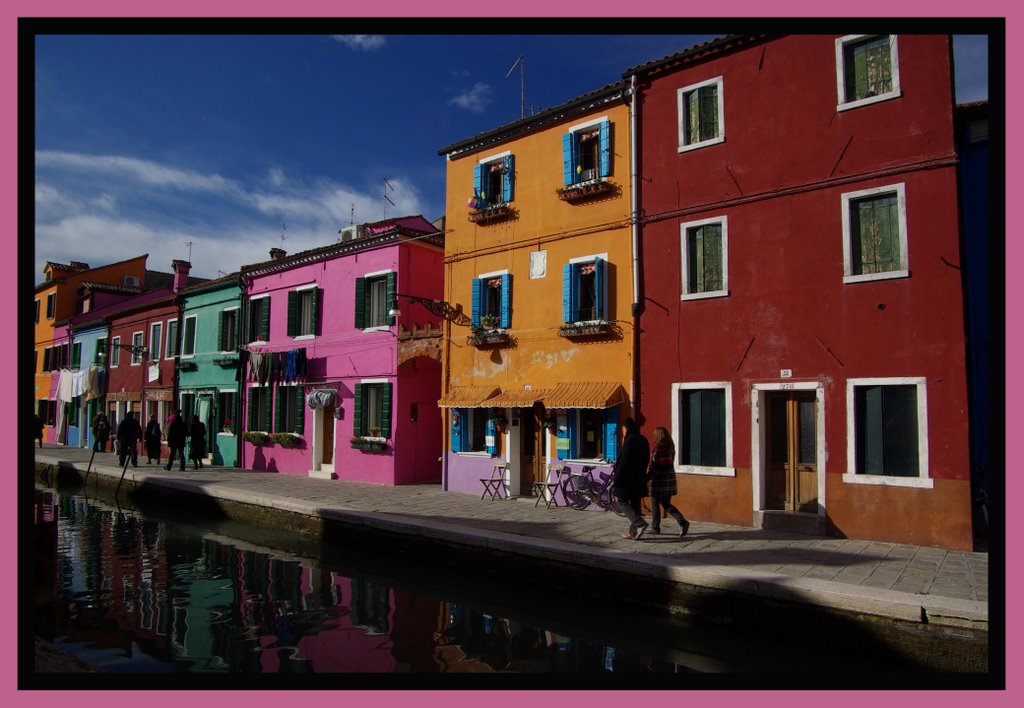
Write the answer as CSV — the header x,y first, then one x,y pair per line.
x,y
130,377
787,157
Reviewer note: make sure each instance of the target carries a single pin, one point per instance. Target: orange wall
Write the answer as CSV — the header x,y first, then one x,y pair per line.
x,y
539,357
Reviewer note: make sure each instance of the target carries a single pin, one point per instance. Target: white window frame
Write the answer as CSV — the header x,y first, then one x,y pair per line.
x,y
303,288
238,326
604,293
681,115
159,348
195,336
376,274
167,328
842,103
51,306
901,208
373,382
115,352
684,248
496,158
486,276
139,336
583,126
729,470
923,480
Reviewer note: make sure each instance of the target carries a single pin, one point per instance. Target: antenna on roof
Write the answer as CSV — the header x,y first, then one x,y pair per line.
x,y
521,63
386,199
284,227
352,214
189,244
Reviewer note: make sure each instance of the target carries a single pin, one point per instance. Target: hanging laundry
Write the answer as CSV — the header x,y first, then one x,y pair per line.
x,y
64,384
291,358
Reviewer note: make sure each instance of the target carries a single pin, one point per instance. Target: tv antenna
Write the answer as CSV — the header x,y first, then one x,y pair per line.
x,y
352,214
284,227
189,244
387,185
521,63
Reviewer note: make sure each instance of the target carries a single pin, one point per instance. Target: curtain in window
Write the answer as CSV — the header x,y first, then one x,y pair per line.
x,y
705,258
876,229
868,70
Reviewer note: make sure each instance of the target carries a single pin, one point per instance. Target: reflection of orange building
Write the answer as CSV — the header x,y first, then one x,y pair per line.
x,y
539,255
57,299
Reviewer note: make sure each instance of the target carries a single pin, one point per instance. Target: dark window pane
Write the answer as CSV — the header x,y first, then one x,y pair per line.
x,y
807,443
703,427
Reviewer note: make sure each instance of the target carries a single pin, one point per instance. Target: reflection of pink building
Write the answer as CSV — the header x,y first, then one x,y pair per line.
x,y
336,386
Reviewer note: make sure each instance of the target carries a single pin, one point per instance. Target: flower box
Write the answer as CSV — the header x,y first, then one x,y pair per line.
x,y
585,190
286,439
593,328
488,338
256,438
368,445
491,214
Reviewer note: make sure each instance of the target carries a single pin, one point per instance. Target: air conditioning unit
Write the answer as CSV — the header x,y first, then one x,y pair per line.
x,y
349,233
132,280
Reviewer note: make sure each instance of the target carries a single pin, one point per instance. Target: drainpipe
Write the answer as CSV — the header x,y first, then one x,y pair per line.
x,y
634,125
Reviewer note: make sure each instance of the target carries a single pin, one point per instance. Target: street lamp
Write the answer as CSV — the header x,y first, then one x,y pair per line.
x,y
441,308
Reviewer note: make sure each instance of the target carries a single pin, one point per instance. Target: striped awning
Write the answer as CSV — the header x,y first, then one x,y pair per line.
x,y
468,397
588,394
518,398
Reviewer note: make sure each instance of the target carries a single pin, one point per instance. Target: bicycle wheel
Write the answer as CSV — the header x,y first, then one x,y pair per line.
x,y
576,491
611,502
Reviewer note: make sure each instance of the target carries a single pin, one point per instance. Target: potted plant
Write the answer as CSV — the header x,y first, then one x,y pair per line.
x,y
501,423
226,428
256,438
286,439
550,423
490,321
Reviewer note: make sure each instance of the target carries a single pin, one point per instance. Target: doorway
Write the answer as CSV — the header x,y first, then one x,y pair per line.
x,y
327,449
791,451
531,456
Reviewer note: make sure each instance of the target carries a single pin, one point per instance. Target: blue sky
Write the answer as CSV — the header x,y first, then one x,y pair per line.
x,y
146,143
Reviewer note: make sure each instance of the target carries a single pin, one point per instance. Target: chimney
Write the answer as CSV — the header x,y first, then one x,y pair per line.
x,y
181,269
277,254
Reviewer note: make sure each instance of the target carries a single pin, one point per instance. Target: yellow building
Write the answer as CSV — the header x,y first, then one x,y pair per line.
x,y
539,260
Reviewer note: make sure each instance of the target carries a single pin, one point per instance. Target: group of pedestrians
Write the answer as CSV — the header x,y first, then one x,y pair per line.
x,y
129,433
636,466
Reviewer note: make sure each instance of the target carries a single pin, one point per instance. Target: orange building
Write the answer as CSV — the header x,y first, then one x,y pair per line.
x,y
56,299
538,362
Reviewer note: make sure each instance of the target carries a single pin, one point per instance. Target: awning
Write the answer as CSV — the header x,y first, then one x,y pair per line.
x,y
320,398
468,397
519,398
591,394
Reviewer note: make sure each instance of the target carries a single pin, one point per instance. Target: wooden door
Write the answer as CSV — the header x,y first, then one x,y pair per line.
x,y
531,447
791,459
327,457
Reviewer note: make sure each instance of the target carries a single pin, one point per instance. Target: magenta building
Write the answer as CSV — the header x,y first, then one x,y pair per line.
x,y
340,373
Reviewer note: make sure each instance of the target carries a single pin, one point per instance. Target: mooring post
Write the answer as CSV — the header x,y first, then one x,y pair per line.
x,y
89,468
127,459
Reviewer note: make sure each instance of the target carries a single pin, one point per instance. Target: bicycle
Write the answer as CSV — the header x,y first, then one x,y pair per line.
x,y
580,490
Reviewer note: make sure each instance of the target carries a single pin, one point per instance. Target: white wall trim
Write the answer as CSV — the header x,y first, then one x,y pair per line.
x,y
492,158
844,105
681,115
587,124
493,274
684,249
901,208
588,259
377,273
308,286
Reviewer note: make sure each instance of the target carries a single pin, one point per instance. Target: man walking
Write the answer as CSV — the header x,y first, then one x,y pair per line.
x,y
628,476
177,431
129,432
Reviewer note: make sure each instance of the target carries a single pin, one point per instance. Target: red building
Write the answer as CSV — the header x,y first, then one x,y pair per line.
x,y
802,324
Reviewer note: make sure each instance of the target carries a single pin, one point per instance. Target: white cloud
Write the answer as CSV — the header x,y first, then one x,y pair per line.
x,y
474,99
145,171
361,42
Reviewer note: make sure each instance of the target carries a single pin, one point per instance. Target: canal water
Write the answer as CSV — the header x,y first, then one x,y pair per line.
x,y
129,592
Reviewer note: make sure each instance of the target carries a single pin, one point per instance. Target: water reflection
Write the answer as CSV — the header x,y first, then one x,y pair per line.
x,y
134,594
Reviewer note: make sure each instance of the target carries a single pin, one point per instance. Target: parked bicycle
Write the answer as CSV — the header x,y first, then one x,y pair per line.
x,y
581,489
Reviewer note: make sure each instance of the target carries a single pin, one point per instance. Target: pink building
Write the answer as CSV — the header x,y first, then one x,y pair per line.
x,y
337,383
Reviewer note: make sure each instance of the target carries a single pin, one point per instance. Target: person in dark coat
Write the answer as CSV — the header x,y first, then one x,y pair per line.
x,y
177,432
100,432
198,435
152,441
129,432
38,430
662,474
629,484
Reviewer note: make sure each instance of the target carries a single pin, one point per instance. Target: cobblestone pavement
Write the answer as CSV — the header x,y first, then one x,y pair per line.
x,y
872,576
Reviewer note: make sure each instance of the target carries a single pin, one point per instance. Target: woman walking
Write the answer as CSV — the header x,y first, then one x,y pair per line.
x,y
197,433
662,474
152,441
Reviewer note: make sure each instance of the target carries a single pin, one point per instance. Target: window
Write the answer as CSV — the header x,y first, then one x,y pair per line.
x,y
76,356
886,429
47,359
867,70
47,411
259,408
375,296
875,234
137,346
188,406
156,340
226,413
701,116
172,338
304,312
37,312
491,299
291,409
188,337
584,289
115,351
101,351
587,152
372,410
50,303
702,426
705,256
470,429
259,319
494,181
71,411
227,330
589,434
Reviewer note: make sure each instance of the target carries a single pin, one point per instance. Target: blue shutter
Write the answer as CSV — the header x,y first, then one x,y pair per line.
x,y
561,452
491,431
508,179
456,429
506,301
571,420
568,163
600,288
567,293
478,186
611,433
476,301
605,148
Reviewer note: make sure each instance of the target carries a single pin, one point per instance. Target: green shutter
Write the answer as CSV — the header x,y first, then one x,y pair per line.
x,y
360,303
357,410
265,321
300,410
101,348
293,304
314,311
250,423
76,355
220,331
279,411
268,399
385,411
391,298
708,112
692,118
